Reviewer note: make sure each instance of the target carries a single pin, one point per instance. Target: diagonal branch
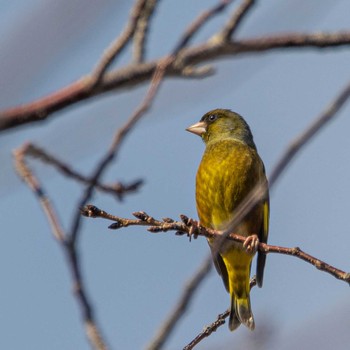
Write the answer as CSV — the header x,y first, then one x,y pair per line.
x,y
236,19
208,330
141,31
168,326
92,330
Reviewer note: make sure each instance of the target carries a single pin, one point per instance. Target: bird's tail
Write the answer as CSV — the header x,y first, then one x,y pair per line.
x,y
241,312
239,287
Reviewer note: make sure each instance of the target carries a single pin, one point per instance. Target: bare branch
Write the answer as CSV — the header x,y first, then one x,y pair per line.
x,y
118,189
208,330
198,23
133,75
141,31
118,45
180,308
236,19
193,228
33,183
92,330
326,116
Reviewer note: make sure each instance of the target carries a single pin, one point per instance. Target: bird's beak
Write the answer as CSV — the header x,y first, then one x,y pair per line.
x,y
198,129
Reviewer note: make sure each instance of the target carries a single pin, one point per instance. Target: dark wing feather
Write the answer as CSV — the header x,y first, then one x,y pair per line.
x,y
263,234
220,267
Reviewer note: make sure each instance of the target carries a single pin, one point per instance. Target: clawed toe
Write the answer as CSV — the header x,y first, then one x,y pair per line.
x,y
251,244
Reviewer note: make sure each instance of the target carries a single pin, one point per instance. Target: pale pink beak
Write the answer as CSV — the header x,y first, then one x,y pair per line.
x,y
198,129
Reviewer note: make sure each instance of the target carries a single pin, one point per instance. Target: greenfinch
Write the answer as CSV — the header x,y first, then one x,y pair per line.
x,y
230,168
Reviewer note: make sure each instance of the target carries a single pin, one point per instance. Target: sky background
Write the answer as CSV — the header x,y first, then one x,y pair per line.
x,y
133,277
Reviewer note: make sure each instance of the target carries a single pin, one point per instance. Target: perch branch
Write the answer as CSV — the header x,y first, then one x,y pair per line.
x,y
192,228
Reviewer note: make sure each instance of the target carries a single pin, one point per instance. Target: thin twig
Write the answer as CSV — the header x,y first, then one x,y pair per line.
x,y
33,183
118,45
133,75
118,189
326,116
91,328
236,19
168,326
208,330
198,23
141,31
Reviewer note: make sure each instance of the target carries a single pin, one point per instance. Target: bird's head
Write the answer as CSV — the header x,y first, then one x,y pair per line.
x,y
220,124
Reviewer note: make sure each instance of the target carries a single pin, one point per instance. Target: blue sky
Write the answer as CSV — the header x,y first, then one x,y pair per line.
x,y
134,278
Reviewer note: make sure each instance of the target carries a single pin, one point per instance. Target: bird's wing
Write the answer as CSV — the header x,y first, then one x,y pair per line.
x,y
263,233
220,267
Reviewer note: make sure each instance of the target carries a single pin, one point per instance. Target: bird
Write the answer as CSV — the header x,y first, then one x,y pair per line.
x,y
230,168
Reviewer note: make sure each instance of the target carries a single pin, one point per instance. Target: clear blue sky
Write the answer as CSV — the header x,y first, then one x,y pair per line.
x,y
133,277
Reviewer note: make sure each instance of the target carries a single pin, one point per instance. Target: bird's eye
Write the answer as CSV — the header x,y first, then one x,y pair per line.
x,y
212,117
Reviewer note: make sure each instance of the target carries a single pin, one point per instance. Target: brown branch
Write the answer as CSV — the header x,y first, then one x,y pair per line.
x,y
236,19
141,31
91,328
168,326
191,228
117,142
208,330
118,45
133,75
325,117
118,189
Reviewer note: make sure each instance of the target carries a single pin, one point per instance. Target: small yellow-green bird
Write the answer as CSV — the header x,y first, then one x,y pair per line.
x,y
229,170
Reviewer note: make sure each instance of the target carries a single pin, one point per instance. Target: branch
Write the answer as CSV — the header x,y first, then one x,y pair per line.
x,y
141,31
133,75
208,330
236,19
191,228
91,328
168,326
119,44
118,189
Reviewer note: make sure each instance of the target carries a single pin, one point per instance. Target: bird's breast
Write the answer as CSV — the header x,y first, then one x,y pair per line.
x,y
227,173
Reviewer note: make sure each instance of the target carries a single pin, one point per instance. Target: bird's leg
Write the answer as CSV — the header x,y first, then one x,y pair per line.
x,y
251,244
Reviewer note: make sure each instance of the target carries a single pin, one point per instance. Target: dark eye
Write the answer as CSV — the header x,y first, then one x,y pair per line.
x,y
212,117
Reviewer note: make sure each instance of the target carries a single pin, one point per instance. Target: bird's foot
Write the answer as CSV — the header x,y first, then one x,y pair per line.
x,y
251,244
